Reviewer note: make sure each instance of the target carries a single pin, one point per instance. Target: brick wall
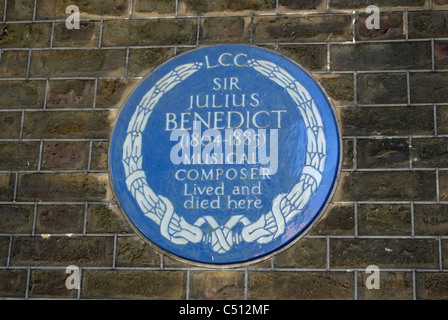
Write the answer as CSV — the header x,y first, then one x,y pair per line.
x,y
60,91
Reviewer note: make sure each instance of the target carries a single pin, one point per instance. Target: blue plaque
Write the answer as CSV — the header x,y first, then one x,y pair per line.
x,y
225,155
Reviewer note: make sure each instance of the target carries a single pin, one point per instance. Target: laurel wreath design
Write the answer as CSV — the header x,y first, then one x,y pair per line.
x,y
221,239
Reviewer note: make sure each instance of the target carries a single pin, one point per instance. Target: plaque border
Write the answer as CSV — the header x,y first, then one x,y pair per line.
x,y
274,252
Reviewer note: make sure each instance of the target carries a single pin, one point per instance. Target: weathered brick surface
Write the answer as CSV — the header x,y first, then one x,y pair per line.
x,y
106,219
25,35
337,220
99,154
294,5
2,7
431,219
384,219
428,24
62,155
225,6
169,262
431,286
300,285
6,186
439,3
66,218
54,9
387,121
383,153
14,64
217,285
143,8
382,88
128,284
12,283
444,253
78,63
10,122
62,251
338,86
19,10
19,155
443,185
387,186
348,157
429,87
48,284
18,94
113,93
430,153
441,54
378,56
225,30
149,32
71,94
442,123
68,124
4,250
132,251
143,61
69,186
393,286
86,36
313,57
16,218
361,4
308,253
61,90
420,253
310,28
391,26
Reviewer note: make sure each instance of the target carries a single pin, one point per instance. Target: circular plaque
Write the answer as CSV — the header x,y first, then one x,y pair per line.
x,y
225,155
